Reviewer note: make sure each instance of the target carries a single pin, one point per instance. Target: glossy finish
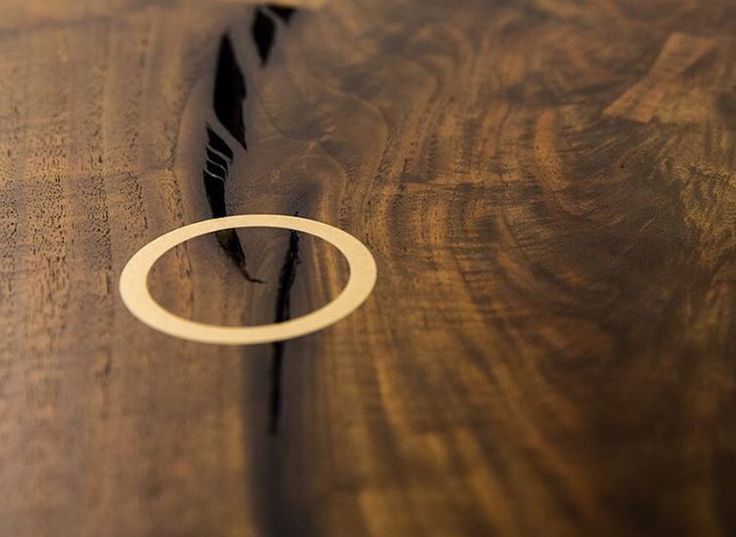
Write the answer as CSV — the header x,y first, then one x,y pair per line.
x,y
547,187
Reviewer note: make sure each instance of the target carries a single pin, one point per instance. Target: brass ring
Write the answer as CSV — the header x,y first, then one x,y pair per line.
x,y
137,297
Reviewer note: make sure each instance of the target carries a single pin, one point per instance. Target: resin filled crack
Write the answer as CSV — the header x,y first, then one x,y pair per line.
x,y
229,98
215,174
287,277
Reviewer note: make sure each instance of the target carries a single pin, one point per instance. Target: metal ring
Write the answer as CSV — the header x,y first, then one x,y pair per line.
x,y
137,298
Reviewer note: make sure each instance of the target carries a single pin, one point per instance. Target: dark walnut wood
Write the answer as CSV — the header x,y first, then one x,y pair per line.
x,y
548,187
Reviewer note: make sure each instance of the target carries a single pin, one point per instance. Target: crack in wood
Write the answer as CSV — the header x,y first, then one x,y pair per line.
x,y
229,95
230,91
287,277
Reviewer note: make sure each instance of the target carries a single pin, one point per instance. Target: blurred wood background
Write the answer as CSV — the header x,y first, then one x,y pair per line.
x,y
548,187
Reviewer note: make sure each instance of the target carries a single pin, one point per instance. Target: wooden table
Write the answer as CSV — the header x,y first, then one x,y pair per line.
x,y
548,188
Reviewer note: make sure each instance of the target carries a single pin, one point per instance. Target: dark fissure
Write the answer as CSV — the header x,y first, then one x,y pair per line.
x,y
263,31
214,175
229,96
287,277
282,12
230,91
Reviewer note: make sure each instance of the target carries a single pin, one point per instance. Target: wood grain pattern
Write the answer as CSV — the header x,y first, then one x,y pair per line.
x,y
550,346
641,100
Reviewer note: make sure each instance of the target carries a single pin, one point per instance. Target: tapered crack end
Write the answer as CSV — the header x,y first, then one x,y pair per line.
x,y
264,28
263,31
282,12
230,242
215,174
230,91
287,277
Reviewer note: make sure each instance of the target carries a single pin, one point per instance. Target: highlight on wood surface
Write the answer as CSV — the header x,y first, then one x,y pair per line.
x,y
547,189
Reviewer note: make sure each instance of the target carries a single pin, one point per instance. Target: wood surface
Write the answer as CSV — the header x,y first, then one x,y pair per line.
x,y
548,187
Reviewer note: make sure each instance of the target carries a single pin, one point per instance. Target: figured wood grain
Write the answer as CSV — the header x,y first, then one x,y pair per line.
x,y
679,52
550,346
